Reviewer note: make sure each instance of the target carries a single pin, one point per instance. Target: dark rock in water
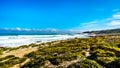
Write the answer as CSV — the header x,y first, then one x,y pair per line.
x,y
38,41
1,47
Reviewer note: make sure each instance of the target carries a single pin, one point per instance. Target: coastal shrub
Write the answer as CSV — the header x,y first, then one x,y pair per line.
x,y
2,49
34,63
5,48
32,54
113,49
69,57
33,45
23,46
118,45
85,64
105,60
85,47
61,67
11,62
115,63
55,60
106,54
22,59
83,53
7,57
102,53
1,52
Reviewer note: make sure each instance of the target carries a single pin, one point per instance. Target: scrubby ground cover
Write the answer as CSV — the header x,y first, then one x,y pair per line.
x,y
97,52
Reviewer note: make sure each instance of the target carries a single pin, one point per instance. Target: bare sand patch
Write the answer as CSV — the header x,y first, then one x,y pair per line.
x,y
19,52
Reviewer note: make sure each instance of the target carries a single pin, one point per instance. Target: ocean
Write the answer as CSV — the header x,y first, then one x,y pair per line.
x,y
18,40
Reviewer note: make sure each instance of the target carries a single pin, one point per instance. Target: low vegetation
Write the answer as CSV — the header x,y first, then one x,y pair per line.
x,y
97,52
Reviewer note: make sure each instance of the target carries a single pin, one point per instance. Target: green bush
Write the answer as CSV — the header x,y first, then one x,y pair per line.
x,y
7,57
115,63
85,64
34,63
55,61
11,62
105,60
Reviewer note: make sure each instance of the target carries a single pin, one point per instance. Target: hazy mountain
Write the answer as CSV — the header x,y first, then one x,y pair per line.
x,y
105,31
18,31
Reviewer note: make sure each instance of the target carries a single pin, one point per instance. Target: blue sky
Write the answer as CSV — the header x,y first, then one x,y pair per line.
x,y
60,14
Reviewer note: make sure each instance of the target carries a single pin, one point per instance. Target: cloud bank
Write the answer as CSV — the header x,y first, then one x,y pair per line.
x,y
107,23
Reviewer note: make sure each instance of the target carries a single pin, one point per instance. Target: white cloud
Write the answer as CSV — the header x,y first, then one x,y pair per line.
x,y
107,23
52,29
88,26
90,23
116,10
19,29
114,23
116,16
6,28
27,29
115,20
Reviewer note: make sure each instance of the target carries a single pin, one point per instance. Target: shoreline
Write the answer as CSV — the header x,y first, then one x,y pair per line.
x,y
20,40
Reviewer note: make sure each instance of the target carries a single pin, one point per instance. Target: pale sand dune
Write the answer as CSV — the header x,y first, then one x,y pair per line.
x,y
19,52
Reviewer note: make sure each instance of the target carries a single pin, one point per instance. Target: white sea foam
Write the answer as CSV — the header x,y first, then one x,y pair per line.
x,y
14,41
